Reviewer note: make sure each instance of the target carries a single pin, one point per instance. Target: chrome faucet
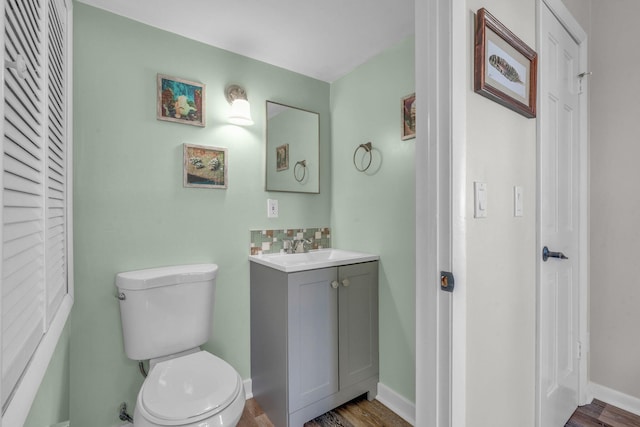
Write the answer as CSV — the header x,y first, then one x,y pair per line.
x,y
287,246
296,246
301,245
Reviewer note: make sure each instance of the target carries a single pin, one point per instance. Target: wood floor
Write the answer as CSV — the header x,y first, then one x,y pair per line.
x,y
600,414
362,413
357,413
253,416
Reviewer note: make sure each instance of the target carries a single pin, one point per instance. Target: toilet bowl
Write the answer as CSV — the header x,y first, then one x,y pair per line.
x,y
196,390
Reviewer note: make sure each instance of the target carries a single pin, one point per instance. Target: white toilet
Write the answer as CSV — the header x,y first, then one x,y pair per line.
x,y
167,314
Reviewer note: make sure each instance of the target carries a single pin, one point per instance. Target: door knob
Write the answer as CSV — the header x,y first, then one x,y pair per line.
x,y
346,283
335,284
546,254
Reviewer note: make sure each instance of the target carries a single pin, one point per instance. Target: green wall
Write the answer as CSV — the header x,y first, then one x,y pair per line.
x,y
51,404
375,210
131,210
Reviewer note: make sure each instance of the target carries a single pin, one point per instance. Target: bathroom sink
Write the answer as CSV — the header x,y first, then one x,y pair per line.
x,y
311,260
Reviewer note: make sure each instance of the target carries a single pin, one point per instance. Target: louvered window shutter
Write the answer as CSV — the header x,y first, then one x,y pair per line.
x,y
34,181
56,267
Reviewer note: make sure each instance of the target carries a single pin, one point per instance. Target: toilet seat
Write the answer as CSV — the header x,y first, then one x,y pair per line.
x,y
189,388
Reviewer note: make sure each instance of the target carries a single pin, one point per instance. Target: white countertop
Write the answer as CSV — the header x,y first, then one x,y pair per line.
x,y
320,258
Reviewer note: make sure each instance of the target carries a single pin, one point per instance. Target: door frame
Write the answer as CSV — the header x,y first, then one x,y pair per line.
x,y
562,14
440,37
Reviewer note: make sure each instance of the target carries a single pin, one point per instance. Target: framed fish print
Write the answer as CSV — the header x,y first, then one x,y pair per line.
x,y
505,67
180,101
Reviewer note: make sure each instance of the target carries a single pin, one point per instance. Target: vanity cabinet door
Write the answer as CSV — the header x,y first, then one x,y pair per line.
x,y
312,332
358,322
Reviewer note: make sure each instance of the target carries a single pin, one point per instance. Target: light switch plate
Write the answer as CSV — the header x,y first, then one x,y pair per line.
x,y
518,207
480,196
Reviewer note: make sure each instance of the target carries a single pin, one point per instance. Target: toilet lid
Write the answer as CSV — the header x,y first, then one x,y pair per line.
x,y
189,386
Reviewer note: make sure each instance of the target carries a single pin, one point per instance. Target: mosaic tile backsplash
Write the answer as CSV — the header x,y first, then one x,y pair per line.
x,y
270,241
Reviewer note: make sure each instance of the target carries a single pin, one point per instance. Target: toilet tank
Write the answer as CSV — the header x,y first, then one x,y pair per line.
x,y
166,310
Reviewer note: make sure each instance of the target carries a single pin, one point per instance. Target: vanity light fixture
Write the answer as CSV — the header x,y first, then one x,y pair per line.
x,y
240,113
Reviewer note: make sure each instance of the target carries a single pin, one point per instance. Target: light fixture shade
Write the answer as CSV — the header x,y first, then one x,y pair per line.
x,y
240,113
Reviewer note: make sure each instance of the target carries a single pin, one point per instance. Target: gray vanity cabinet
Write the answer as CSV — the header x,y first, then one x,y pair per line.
x,y
314,339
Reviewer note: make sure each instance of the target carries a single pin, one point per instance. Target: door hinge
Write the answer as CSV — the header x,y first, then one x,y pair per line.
x,y
579,350
446,281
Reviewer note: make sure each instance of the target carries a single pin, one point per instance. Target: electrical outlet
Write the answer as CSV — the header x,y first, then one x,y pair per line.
x,y
272,208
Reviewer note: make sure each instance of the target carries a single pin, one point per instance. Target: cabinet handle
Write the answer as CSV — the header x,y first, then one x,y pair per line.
x,y
335,284
346,283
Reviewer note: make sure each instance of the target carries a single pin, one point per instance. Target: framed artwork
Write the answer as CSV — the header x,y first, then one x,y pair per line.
x,y
282,157
180,101
505,67
408,109
205,167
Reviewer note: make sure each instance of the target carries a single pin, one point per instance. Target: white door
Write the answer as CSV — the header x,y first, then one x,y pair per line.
x,y
559,172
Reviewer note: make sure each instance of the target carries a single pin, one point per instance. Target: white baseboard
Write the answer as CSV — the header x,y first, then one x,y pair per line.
x,y
614,397
388,397
248,388
397,403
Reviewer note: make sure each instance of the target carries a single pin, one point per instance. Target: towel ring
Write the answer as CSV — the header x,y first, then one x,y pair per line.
x,y
303,165
367,148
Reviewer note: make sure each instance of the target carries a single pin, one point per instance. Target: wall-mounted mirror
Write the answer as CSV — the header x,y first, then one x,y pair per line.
x,y
293,149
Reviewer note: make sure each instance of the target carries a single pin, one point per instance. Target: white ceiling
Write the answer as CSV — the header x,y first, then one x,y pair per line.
x,y
324,39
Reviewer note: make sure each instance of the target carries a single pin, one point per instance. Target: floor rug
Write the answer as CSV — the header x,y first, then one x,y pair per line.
x,y
359,413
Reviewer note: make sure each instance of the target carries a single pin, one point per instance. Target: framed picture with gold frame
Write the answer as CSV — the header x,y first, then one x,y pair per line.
x,y
282,157
408,109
